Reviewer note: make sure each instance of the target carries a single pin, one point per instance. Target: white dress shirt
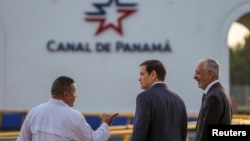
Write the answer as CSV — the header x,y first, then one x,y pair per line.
x,y
56,121
210,85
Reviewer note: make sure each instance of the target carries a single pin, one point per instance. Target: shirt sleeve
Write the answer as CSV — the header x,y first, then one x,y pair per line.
x,y
85,132
25,132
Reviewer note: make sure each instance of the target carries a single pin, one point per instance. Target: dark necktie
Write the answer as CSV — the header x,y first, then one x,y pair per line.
x,y
203,97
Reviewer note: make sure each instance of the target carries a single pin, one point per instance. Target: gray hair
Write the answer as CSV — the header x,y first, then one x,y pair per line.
x,y
213,65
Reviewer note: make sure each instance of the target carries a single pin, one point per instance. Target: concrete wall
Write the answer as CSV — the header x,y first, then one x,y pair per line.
x,y
107,80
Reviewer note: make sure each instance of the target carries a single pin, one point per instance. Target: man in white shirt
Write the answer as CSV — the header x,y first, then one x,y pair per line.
x,y
56,120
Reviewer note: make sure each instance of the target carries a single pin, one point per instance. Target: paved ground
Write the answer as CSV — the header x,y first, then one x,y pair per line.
x,y
119,138
113,138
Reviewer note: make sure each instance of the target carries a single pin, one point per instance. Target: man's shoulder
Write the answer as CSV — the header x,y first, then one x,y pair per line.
x,y
39,106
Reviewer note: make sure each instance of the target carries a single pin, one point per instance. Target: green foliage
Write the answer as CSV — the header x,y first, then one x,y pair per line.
x,y
240,64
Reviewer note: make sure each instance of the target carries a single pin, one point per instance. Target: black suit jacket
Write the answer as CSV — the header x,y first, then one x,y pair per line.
x,y
215,110
160,115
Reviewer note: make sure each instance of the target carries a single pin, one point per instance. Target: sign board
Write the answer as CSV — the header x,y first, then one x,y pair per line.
x,y
101,44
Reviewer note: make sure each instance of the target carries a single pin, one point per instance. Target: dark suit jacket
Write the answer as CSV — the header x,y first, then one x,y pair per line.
x,y
160,115
215,110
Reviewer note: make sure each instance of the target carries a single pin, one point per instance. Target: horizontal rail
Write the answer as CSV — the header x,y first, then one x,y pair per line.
x,y
126,129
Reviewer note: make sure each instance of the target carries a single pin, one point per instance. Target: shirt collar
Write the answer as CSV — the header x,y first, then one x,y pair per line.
x,y
57,102
210,85
158,82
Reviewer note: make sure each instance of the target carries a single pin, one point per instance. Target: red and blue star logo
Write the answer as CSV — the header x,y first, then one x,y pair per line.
x,y
114,9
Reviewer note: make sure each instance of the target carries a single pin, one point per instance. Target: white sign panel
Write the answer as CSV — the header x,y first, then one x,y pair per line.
x,y
100,43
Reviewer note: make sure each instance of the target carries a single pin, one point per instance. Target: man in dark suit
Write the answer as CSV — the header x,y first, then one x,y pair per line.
x,y
160,112
216,107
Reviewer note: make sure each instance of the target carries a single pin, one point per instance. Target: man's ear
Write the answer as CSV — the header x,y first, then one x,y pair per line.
x,y
153,74
65,94
211,74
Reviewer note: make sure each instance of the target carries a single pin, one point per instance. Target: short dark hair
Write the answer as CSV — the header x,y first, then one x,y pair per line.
x,y
61,84
157,66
